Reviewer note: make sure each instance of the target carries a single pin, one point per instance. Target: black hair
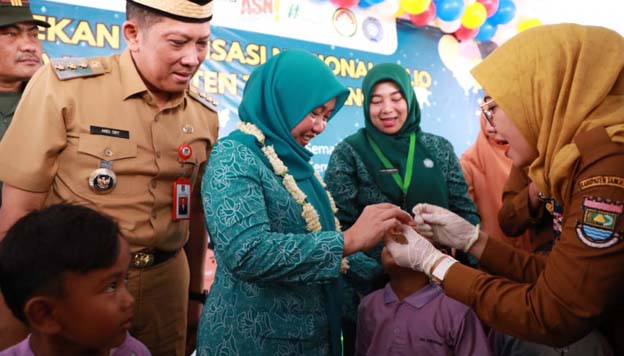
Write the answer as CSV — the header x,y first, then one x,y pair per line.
x,y
41,246
143,15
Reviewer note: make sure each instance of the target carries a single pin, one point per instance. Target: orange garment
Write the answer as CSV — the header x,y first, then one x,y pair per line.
x,y
486,168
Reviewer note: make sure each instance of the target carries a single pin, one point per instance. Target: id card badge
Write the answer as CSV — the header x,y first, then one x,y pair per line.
x,y
181,199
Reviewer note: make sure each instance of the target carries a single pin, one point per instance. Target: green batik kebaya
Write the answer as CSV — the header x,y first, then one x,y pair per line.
x,y
276,287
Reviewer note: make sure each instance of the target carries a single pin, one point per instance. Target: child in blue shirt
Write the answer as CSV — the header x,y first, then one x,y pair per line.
x,y
63,272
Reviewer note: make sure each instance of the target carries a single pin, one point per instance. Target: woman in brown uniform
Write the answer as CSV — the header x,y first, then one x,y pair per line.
x,y
558,98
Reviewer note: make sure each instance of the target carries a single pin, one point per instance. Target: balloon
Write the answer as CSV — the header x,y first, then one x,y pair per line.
x,y
528,23
400,12
486,32
415,6
424,18
505,13
474,16
448,26
490,6
387,9
464,33
368,3
345,3
449,10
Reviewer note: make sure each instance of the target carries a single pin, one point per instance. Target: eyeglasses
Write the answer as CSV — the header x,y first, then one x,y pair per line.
x,y
486,109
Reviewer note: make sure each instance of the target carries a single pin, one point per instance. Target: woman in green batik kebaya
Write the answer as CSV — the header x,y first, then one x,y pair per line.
x,y
391,160
278,246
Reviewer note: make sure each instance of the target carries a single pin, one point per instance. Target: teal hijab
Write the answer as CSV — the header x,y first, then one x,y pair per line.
x,y
277,96
428,184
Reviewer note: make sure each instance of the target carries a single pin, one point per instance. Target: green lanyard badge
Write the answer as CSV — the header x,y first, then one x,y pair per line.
x,y
402,183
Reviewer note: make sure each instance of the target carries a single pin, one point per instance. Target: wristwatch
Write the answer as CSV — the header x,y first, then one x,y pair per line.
x,y
198,296
438,273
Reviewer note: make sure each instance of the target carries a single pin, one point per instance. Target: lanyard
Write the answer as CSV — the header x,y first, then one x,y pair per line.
x,y
403,184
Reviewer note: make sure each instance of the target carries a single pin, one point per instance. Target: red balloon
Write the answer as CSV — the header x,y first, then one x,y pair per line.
x,y
345,3
464,34
490,6
424,17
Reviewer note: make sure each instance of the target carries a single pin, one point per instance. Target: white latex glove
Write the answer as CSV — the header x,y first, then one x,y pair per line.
x,y
421,226
445,227
419,254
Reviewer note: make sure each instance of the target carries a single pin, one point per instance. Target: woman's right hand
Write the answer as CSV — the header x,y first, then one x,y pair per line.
x,y
445,227
371,227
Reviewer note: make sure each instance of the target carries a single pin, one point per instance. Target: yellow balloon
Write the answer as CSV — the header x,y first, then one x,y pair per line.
x,y
528,23
415,6
400,12
474,15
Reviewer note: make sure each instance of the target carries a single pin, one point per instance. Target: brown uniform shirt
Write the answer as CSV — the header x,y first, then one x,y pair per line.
x,y
515,216
60,135
557,299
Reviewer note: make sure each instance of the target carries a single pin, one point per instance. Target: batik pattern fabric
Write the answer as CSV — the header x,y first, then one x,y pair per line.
x,y
354,187
267,297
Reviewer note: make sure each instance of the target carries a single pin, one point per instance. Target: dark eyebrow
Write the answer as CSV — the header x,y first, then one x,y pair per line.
x,y
187,37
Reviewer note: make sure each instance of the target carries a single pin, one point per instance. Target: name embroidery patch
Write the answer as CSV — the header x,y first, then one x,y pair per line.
x,y
105,131
611,181
600,219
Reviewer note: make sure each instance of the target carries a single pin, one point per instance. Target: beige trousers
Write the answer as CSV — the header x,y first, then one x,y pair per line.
x,y
161,300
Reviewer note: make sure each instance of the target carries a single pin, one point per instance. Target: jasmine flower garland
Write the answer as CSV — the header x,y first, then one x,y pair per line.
x,y
309,214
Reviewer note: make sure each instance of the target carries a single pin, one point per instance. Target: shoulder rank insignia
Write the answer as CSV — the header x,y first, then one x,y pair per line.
x,y
600,220
206,100
73,67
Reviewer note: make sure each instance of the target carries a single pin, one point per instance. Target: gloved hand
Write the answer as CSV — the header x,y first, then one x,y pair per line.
x,y
418,254
445,227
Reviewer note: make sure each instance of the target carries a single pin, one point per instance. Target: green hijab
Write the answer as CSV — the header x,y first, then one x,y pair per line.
x,y
277,96
428,184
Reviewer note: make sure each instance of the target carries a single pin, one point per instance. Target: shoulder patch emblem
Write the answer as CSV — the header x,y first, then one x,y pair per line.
x,y
600,218
73,67
611,181
206,100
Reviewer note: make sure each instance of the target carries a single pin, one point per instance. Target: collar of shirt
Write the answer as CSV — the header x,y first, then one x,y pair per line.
x,y
132,83
417,299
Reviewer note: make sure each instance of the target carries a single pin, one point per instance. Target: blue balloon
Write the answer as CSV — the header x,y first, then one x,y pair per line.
x,y
449,10
368,3
486,32
505,13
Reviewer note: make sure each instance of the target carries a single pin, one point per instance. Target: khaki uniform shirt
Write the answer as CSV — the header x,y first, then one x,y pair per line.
x,y
515,217
8,103
557,299
54,144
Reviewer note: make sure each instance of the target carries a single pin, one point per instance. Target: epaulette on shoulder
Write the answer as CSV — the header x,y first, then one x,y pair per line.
x,y
75,67
206,100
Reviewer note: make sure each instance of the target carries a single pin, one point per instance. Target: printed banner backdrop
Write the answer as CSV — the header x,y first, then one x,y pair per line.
x,y
438,64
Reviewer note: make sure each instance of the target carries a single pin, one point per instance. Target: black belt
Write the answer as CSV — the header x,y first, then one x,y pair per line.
x,y
148,257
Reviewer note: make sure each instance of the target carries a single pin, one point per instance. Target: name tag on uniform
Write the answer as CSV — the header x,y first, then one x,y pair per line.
x,y
105,131
389,171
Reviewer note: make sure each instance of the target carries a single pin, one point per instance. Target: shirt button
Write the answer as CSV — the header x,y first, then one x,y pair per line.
x,y
157,154
154,184
397,331
108,152
154,214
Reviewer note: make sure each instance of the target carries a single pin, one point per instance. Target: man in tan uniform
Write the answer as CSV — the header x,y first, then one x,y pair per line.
x,y
20,57
126,136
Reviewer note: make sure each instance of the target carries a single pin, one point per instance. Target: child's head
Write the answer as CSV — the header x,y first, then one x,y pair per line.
x,y
63,272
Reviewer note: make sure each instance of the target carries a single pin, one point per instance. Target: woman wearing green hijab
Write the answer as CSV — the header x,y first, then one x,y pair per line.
x,y
391,160
278,246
